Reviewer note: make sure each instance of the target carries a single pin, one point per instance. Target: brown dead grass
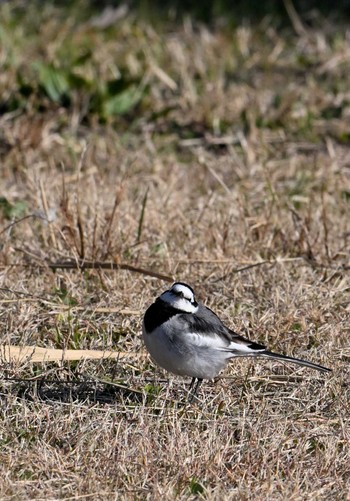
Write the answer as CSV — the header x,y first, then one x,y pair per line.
x,y
247,184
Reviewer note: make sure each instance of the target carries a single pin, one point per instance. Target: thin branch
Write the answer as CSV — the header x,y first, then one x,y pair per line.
x,y
142,216
244,268
304,261
36,216
99,265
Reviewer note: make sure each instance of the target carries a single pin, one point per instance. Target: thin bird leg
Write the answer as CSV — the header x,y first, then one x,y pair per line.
x,y
193,389
192,384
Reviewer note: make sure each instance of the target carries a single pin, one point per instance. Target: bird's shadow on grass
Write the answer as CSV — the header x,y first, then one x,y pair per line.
x,y
76,391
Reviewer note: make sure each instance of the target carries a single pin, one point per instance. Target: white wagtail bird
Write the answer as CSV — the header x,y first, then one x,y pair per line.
x,y
188,339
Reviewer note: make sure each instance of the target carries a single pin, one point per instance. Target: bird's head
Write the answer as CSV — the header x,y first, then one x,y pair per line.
x,y
181,297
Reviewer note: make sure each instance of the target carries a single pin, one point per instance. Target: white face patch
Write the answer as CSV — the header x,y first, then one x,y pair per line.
x,y
180,297
183,290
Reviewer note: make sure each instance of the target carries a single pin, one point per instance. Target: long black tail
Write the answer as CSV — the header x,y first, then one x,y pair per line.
x,y
298,361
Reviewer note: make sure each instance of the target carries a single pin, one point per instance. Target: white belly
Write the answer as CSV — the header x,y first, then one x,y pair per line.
x,y
187,354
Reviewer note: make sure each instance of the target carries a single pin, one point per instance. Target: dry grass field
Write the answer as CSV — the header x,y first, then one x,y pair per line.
x,y
218,156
